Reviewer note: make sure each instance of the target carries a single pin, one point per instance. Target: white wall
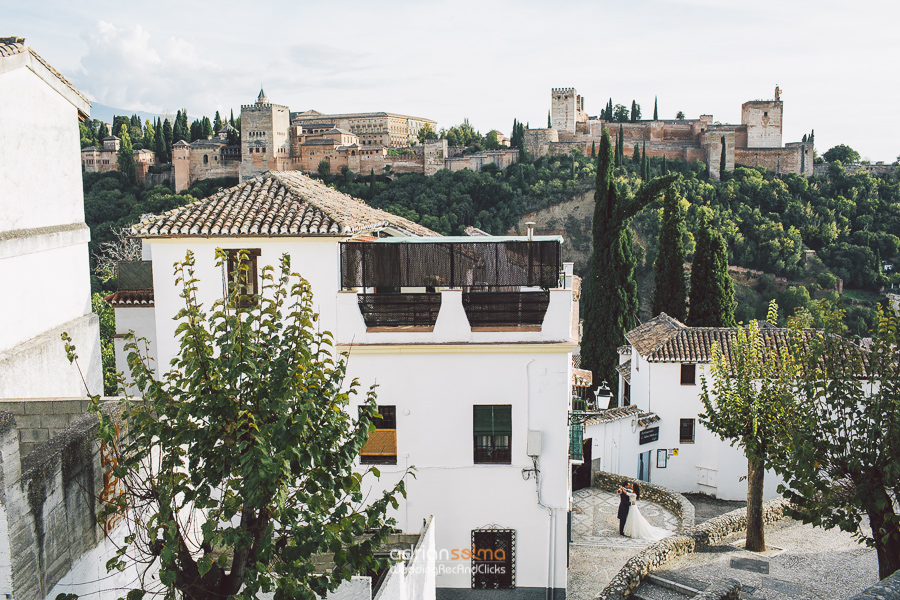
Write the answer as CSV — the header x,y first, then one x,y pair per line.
x,y
317,260
434,389
656,387
142,321
40,147
615,445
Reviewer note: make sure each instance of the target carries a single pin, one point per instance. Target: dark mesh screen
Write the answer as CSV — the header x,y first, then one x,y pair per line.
x,y
485,265
131,276
394,310
505,308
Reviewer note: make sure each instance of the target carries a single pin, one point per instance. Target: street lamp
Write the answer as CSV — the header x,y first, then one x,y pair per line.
x,y
603,396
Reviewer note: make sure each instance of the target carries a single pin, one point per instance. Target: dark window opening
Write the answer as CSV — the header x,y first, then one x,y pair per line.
x,y
492,428
493,559
381,449
243,280
686,431
626,394
688,374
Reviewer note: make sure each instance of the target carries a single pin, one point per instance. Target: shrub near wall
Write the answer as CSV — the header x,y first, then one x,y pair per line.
x,y
706,534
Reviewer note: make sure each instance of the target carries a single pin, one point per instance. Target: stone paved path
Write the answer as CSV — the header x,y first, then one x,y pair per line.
x,y
598,551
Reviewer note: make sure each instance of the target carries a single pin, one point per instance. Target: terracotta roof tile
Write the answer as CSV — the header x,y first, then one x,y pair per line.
x,y
582,378
12,45
626,349
625,370
614,414
131,298
275,204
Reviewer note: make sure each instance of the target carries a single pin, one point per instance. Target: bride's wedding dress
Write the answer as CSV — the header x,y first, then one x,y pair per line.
x,y
636,526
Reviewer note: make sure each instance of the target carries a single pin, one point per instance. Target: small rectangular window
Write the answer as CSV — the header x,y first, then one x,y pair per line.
x,y
689,374
493,559
243,275
492,429
381,449
686,433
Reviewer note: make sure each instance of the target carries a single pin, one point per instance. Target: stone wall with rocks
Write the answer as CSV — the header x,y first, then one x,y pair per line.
x,y
886,589
48,506
690,540
650,492
40,419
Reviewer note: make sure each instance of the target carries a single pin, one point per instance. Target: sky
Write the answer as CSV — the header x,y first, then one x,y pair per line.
x,y
489,61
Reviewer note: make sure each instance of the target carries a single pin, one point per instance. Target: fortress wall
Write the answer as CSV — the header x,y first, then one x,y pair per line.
x,y
789,159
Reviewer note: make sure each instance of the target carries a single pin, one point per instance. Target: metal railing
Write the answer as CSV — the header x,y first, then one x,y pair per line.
x,y
395,310
505,308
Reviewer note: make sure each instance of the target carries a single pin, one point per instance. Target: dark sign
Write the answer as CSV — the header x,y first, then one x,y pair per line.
x,y
649,435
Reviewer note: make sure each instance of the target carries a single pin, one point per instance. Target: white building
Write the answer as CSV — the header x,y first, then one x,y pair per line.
x,y
469,340
655,434
43,238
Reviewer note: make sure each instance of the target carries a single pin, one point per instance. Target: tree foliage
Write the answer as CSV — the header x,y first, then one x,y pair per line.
x,y
670,295
610,301
712,290
747,403
125,158
842,153
240,464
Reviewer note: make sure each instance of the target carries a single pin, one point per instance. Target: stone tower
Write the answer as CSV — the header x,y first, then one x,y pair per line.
x,y
265,143
566,109
763,121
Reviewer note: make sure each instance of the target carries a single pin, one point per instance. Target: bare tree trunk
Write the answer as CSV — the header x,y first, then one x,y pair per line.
x,y
756,534
887,540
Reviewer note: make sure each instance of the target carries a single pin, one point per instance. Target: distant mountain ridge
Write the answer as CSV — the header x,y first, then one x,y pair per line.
x,y
107,113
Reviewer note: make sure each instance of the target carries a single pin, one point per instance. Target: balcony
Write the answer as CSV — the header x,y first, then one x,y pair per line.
x,y
446,290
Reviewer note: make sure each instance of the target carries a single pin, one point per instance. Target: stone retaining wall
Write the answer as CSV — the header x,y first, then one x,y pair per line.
x,y
706,534
656,494
886,589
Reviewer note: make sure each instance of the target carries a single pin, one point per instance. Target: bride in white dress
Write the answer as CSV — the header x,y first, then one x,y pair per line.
x,y
636,526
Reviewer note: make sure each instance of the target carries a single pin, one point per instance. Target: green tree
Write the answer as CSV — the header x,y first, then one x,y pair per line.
x,y
679,115
593,150
549,123
324,170
125,157
255,411
635,111
86,134
426,132
842,153
217,122
636,155
620,113
149,135
645,164
107,317
180,130
712,290
135,120
670,295
207,128
747,403
655,110
611,301
231,119
103,132
159,143
117,123
843,444
490,140
168,140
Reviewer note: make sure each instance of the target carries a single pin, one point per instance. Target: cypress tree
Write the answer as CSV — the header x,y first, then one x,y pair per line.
x,y
168,140
231,120
712,291
610,299
372,184
206,129
636,155
593,150
103,133
655,111
126,156
217,124
645,166
812,136
159,143
549,125
722,161
620,142
135,120
665,168
670,293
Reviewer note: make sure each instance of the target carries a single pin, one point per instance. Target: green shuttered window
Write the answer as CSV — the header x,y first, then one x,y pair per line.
x,y
492,429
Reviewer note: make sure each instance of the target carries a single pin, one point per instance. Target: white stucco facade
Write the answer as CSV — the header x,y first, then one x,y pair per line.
x,y
433,378
43,237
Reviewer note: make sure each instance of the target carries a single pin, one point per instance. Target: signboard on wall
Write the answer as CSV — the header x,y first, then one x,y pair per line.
x,y
649,435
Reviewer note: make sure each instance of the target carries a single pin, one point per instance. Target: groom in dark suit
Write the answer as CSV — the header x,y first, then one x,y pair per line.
x,y
624,505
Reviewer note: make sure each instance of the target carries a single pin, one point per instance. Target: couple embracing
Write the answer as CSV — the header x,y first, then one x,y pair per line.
x,y
631,522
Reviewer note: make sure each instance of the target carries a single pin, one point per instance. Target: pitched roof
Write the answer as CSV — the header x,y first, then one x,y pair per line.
x,y
131,298
665,339
582,378
614,414
625,370
14,46
285,203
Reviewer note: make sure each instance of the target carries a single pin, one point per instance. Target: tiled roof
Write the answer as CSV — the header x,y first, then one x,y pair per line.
x,y
12,45
133,298
645,419
625,370
665,339
319,142
285,203
582,378
626,349
614,414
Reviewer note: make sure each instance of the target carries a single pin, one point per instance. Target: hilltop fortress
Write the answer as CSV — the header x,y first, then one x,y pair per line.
x,y
274,138
755,142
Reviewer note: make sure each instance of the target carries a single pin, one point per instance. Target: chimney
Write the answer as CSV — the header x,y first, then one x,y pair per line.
x,y
530,226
